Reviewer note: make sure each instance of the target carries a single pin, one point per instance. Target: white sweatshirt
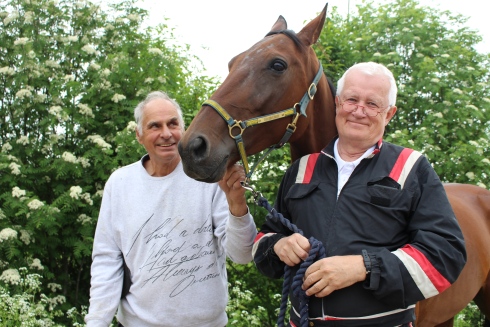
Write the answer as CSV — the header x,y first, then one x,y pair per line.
x,y
174,234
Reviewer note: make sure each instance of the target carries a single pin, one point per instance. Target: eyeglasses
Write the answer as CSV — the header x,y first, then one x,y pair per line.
x,y
370,110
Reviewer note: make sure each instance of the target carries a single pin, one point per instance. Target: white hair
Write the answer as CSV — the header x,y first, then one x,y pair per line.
x,y
138,111
372,68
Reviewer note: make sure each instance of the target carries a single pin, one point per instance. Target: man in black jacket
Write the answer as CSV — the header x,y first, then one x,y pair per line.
x,y
380,210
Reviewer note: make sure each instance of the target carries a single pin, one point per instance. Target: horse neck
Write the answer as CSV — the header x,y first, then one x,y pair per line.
x,y
321,127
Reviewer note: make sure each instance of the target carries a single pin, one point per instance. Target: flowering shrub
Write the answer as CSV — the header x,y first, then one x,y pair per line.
x,y
71,73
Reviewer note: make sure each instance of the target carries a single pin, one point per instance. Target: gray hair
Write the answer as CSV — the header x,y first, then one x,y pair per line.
x,y
138,111
372,68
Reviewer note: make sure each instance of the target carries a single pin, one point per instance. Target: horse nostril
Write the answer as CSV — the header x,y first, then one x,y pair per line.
x,y
198,148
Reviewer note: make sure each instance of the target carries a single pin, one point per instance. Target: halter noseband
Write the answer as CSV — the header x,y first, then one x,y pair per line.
x,y
238,126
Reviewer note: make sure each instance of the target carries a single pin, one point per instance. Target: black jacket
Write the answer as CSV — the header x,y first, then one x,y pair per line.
x,y
408,230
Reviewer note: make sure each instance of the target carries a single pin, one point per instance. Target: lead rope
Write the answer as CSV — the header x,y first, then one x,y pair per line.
x,y
317,251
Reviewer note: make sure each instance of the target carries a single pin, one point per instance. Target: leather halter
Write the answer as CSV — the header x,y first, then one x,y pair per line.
x,y
237,126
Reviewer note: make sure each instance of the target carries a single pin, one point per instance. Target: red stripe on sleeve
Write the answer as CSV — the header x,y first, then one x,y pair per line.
x,y
310,167
400,163
258,237
439,281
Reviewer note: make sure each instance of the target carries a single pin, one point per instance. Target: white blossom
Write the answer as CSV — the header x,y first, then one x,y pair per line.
x,y
84,162
155,51
105,72
359,39
52,64
485,160
435,80
419,55
118,97
69,78
22,93
486,100
474,143
17,192
470,175
132,126
445,55
36,263
94,66
23,139
89,49
55,110
69,157
7,71
11,276
149,80
470,68
98,140
470,106
405,29
13,16
377,54
133,17
75,191
28,16
25,236
21,41
416,38
15,168
457,91
2,214
53,287
435,46
481,185
438,115
85,110
86,197
6,147
35,204
84,219
7,233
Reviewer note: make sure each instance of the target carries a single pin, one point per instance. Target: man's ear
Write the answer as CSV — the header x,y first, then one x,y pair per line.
x,y
138,136
391,112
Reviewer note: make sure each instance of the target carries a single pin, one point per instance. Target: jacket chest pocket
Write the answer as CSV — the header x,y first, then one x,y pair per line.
x,y
386,192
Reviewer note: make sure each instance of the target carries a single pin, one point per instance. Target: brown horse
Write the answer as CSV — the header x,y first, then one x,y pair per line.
x,y
272,95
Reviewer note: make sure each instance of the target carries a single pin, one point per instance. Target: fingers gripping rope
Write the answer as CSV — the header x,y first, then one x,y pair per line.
x,y
317,251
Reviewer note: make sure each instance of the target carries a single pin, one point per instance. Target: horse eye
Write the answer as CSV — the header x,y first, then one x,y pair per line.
x,y
279,65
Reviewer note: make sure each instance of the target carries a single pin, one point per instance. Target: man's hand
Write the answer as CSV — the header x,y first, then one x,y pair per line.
x,y
333,273
292,249
235,193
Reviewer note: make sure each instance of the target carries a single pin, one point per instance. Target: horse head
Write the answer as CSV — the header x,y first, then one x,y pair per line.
x,y
260,105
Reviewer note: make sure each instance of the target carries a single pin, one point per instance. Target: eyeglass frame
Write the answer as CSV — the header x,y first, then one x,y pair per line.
x,y
363,108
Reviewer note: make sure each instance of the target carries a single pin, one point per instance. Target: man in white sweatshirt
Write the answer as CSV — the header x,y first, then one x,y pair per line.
x,y
166,235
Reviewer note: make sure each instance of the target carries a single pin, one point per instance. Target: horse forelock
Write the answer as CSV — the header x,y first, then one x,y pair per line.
x,y
289,33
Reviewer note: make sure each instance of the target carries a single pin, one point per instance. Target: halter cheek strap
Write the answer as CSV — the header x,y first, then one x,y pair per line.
x,y
236,127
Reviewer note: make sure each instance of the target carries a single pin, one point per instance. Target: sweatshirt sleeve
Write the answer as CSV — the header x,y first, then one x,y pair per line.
x,y
107,269
236,234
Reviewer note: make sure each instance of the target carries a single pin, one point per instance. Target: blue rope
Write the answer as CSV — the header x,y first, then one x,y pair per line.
x,y
317,251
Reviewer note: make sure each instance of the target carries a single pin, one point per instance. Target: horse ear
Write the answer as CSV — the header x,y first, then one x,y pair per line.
x,y
279,25
311,32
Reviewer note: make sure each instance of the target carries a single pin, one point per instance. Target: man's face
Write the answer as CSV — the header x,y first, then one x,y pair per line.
x,y
162,131
356,127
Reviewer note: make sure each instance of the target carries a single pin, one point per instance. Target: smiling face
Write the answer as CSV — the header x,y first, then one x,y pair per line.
x,y
355,128
162,130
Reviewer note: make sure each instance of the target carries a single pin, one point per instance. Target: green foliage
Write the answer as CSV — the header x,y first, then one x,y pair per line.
x,y
22,302
70,75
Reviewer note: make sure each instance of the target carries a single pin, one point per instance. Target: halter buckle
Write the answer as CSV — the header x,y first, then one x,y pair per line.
x,y
238,125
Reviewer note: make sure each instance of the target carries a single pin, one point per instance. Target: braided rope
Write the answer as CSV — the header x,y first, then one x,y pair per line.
x,y
317,251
